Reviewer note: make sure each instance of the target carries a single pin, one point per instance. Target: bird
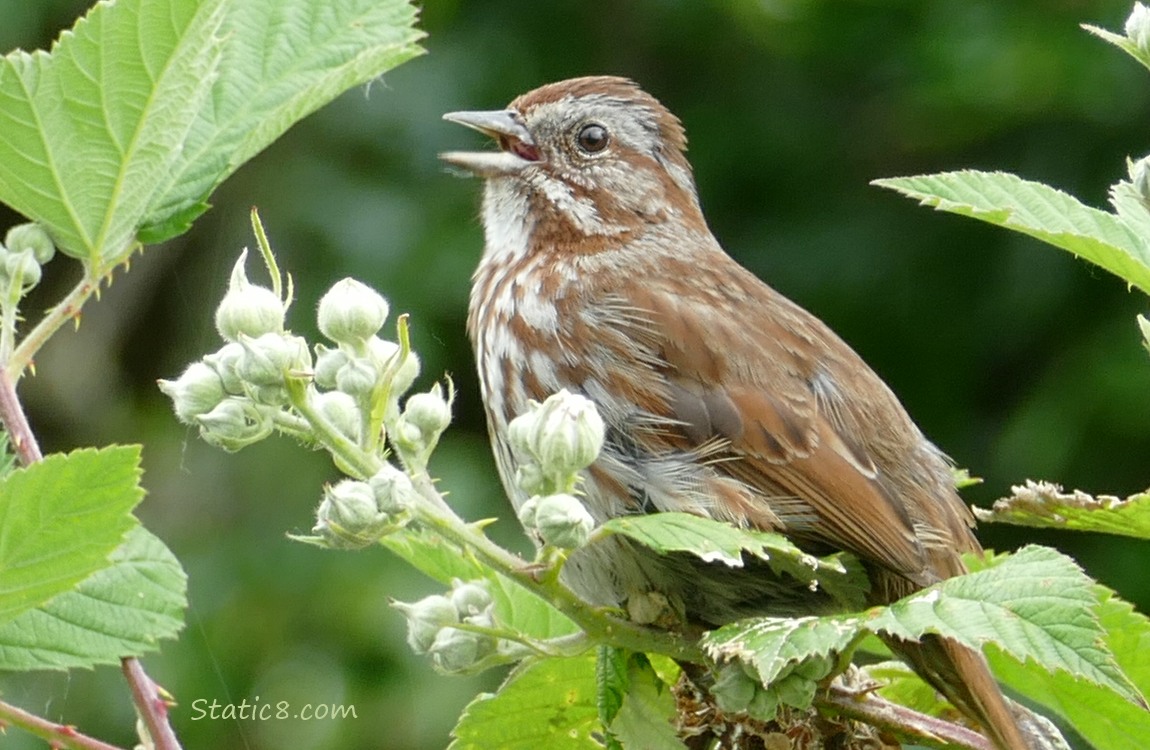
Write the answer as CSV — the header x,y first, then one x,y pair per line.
x,y
720,396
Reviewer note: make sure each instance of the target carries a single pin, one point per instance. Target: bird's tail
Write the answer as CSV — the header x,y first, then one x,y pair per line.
x,y
963,676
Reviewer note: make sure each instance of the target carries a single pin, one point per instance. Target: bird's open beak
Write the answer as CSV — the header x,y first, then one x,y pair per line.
x,y
517,147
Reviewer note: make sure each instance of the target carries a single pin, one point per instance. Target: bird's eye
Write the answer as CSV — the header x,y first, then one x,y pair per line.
x,y
592,138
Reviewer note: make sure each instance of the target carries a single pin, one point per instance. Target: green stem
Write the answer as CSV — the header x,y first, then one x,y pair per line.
x,y
600,625
11,315
360,463
67,309
567,645
291,424
436,515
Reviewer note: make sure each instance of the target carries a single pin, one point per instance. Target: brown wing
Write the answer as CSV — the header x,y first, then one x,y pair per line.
x,y
804,423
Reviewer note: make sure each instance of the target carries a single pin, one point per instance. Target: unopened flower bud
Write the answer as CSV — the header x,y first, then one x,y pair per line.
x,y
470,599
815,667
225,362
402,373
526,512
407,437
247,309
197,391
348,517
269,359
733,689
455,650
764,706
520,432
235,423
425,416
425,618
1138,27
30,237
22,266
563,521
383,352
430,411
351,312
358,377
342,411
327,365
795,690
565,435
268,395
530,478
393,490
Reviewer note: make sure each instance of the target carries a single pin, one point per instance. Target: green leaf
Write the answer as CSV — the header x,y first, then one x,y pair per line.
x,y
89,130
282,60
1122,42
60,519
772,644
523,611
1045,505
1091,708
611,686
7,457
644,719
515,606
903,686
433,555
1035,605
715,541
122,610
1037,210
544,703
124,129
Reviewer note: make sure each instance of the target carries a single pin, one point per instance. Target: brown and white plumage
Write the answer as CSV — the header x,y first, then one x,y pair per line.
x,y
721,397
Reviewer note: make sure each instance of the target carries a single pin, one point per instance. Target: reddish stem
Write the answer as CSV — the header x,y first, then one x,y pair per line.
x,y
152,706
56,735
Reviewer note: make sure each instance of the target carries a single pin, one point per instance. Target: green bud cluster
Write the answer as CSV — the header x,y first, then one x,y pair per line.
x,y
355,514
552,443
432,626
555,440
737,688
425,416
254,384
234,394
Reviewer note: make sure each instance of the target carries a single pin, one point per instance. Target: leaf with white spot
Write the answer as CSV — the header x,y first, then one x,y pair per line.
x,y
1035,606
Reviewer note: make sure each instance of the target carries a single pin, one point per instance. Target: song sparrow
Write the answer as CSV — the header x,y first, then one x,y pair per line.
x,y
721,397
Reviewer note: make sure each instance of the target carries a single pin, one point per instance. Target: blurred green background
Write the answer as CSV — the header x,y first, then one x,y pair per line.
x,y
1018,360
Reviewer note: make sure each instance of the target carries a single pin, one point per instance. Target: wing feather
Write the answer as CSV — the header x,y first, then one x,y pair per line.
x,y
823,461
